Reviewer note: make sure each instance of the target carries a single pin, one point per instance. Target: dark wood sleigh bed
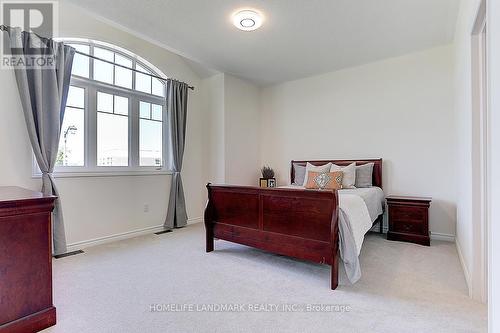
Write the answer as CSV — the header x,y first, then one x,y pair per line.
x,y
294,222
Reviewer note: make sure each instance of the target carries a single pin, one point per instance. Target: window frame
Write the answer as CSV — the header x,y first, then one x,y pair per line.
x,y
91,87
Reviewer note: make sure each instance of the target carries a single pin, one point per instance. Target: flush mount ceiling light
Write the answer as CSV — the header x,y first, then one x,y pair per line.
x,y
247,20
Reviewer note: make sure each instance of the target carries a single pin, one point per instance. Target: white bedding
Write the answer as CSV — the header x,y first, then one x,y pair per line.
x,y
373,197
358,209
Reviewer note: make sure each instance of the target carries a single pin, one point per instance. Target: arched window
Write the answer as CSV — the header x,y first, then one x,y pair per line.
x,y
115,118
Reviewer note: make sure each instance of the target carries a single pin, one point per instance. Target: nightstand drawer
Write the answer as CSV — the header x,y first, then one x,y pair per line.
x,y
413,227
407,213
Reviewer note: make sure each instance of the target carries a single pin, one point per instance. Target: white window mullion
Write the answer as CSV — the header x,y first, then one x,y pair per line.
x,y
91,62
87,130
134,133
133,74
92,128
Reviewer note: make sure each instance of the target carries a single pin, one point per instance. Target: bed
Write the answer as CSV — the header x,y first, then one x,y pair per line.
x,y
292,221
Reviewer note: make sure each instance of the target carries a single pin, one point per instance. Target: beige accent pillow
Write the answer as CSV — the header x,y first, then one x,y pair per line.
x,y
349,171
332,180
320,168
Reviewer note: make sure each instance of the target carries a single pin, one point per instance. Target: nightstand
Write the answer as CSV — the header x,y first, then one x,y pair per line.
x,y
409,219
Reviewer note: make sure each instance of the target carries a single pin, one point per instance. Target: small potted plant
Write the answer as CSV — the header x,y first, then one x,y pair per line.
x,y
267,179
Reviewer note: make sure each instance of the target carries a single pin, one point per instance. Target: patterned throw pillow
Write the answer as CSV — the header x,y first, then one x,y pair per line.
x,y
316,168
324,180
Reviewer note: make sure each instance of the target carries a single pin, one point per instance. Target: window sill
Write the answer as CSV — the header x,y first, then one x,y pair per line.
x,y
105,174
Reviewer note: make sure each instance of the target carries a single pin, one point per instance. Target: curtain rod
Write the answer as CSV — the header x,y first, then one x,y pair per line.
x,y
4,28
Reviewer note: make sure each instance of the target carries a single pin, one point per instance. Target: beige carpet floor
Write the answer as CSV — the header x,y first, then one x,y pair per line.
x,y
404,288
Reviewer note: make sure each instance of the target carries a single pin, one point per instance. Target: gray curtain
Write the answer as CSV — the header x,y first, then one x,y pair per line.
x,y
177,97
43,93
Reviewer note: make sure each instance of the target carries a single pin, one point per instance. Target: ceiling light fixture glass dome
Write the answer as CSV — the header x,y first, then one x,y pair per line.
x,y
247,20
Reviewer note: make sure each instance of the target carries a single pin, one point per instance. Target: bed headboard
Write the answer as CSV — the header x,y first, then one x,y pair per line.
x,y
377,167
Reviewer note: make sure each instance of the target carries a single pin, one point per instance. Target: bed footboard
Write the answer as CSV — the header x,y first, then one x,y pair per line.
x,y
296,223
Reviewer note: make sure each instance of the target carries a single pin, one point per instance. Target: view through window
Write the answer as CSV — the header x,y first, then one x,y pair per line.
x,y
115,117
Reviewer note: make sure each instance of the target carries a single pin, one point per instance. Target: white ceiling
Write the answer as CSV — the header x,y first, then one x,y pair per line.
x,y
299,38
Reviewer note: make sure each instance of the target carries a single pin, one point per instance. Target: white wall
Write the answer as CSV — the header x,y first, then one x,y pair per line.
x,y
213,96
105,206
242,131
232,107
463,108
493,15
399,109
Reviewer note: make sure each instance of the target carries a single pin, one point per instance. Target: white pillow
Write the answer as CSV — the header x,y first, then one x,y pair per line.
x,y
349,171
319,168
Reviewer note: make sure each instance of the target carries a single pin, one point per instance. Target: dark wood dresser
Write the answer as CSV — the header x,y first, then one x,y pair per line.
x,y
25,261
409,219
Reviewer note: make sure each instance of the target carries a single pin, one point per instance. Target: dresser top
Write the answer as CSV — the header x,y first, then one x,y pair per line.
x,y
14,193
407,198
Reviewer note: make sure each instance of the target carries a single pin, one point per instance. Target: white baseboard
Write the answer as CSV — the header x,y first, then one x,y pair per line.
x,y
434,235
442,237
113,238
120,236
376,228
464,267
195,220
